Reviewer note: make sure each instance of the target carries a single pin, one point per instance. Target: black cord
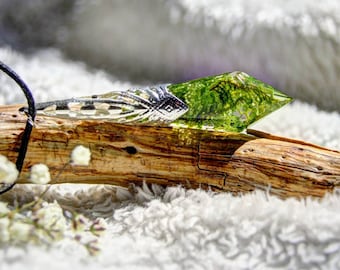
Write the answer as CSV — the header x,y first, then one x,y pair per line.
x,y
31,112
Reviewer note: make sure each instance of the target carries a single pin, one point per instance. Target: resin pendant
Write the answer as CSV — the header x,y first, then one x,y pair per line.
x,y
228,102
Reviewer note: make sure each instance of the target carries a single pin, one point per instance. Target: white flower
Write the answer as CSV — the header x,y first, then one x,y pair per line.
x,y
40,174
3,208
98,226
20,231
81,156
8,171
4,233
80,223
51,217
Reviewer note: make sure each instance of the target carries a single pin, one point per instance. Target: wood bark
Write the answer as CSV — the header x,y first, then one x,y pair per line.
x,y
124,154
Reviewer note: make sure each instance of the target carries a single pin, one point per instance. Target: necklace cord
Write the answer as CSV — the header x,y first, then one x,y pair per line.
x,y
31,113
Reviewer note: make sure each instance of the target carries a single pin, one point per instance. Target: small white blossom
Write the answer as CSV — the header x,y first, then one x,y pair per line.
x,y
81,156
99,226
3,208
40,174
51,217
20,231
80,223
8,171
4,233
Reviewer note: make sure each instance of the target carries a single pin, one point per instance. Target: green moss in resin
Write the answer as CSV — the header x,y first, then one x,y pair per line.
x,y
229,102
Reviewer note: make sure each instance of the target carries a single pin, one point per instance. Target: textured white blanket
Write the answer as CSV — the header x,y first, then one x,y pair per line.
x,y
174,228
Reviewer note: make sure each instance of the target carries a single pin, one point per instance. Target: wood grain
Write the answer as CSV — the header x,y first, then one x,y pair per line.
x,y
125,154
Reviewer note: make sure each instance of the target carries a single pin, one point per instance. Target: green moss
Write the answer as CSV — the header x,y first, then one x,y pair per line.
x,y
229,102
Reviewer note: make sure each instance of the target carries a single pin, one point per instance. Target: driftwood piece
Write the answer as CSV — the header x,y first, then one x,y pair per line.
x,y
124,154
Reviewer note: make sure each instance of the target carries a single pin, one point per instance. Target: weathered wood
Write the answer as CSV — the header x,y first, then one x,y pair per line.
x,y
124,154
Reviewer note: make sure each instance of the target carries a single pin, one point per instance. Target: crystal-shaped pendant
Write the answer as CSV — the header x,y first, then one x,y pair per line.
x,y
229,102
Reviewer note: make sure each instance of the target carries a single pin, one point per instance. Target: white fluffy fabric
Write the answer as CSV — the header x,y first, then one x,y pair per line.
x,y
174,228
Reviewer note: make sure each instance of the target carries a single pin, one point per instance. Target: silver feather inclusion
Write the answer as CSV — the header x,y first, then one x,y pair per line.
x,y
149,104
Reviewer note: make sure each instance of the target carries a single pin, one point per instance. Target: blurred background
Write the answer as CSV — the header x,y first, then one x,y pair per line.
x,y
293,45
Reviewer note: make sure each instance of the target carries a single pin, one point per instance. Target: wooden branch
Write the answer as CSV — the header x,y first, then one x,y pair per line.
x,y
124,154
